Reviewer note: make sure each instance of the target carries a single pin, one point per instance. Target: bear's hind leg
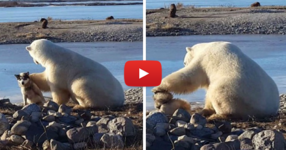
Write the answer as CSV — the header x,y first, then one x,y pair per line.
x,y
208,109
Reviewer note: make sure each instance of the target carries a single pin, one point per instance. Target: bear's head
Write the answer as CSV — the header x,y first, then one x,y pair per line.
x,y
38,50
189,56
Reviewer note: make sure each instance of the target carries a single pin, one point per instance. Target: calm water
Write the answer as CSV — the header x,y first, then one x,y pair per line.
x,y
87,2
269,51
27,14
151,4
15,59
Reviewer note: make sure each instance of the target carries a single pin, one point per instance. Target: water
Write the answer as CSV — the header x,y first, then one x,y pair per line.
x,y
152,4
28,14
87,2
269,51
15,59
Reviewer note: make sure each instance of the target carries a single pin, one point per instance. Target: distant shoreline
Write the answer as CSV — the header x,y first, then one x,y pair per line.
x,y
116,30
217,21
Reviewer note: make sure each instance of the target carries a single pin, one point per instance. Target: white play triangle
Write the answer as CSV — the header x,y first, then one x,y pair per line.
x,y
142,73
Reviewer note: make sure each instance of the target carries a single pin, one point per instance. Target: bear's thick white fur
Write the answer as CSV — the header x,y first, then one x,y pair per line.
x,y
70,75
236,86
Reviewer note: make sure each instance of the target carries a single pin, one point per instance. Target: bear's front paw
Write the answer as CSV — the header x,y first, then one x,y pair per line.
x,y
158,89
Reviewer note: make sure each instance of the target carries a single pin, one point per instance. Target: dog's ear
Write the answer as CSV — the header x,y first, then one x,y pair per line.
x,y
17,76
28,73
28,48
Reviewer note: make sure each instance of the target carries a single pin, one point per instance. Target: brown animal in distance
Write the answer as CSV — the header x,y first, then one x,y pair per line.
x,y
44,23
256,4
172,11
110,18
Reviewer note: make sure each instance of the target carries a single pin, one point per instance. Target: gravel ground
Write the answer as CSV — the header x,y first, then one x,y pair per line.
x,y
117,30
219,21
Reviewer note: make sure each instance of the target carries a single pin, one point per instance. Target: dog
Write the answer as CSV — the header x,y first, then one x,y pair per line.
x,y
30,91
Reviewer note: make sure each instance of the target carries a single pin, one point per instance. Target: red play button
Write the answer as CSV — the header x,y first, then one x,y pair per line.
x,y
143,73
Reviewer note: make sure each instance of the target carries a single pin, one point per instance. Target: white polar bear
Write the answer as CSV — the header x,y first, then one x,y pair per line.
x,y
70,75
236,86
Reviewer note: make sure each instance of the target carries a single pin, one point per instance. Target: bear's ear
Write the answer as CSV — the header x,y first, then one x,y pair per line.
x,y
17,76
28,48
188,49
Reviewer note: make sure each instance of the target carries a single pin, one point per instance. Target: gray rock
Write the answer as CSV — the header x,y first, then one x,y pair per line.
x,y
51,112
182,145
20,127
122,125
246,144
178,131
81,133
102,128
49,118
51,105
161,129
91,123
19,114
96,138
35,116
55,124
198,119
112,141
104,120
46,145
231,138
56,145
156,117
181,123
150,138
216,135
65,109
248,134
4,124
186,139
233,145
202,133
5,135
224,127
79,121
182,114
189,126
16,139
67,119
269,139
80,145
27,144
31,108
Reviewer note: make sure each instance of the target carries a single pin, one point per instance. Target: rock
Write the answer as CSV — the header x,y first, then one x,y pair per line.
x,y
5,135
202,133
224,127
216,135
181,123
178,131
189,126
102,129
86,115
269,139
157,117
17,139
49,118
51,105
55,124
55,145
231,138
19,114
181,145
67,119
64,109
20,127
248,134
31,108
123,125
186,139
161,129
81,133
81,145
27,144
96,138
36,131
246,144
109,18
91,123
112,141
79,121
233,145
198,119
104,120
150,138
51,112
182,114
4,124
172,11
35,116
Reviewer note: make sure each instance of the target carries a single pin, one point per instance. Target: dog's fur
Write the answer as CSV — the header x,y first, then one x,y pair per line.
x,y
30,91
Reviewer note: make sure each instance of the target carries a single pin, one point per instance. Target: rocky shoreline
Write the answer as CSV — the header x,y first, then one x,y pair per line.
x,y
187,131
61,128
217,21
116,30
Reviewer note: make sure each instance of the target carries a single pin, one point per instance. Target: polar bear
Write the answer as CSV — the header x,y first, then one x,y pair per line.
x,y
236,86
71,75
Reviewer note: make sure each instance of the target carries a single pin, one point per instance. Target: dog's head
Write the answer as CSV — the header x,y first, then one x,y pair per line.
x,y
23,78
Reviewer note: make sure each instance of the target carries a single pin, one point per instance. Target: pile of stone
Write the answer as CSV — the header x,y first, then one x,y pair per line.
x,y
184,131
58,128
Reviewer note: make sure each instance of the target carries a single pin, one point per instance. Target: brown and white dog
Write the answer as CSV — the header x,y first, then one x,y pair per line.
x,y
30,91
